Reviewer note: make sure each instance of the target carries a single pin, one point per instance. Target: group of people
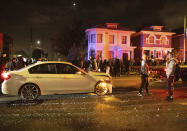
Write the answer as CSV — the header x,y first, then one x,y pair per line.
x,y
13,64
114,67
170,74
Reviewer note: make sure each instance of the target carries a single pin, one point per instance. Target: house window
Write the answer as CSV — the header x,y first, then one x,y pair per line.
x,y
151,40
124,40
111,39
99,38
110,54
163,41
92,53
93,38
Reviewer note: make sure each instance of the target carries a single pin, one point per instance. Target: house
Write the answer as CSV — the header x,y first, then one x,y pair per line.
x,y
154,41
178,44
110,41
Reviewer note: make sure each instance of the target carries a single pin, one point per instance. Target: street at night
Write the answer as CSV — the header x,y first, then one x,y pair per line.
x,y
122,110
93,65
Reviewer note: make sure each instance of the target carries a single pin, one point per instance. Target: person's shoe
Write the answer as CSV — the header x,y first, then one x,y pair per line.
x,y
139,94
169,98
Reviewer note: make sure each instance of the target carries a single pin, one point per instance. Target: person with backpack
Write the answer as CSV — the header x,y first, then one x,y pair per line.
x,y
170,74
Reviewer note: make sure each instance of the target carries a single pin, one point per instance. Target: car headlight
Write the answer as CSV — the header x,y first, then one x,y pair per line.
x,y
107,79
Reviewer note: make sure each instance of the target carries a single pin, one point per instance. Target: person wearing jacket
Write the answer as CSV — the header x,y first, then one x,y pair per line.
x,y
20,63
12,64
170,74
144,76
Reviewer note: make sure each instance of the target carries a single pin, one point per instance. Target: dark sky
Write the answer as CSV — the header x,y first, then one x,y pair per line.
x,y
49,17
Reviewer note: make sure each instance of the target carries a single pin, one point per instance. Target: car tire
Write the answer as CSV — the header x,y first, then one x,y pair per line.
x,y
29,92
100,89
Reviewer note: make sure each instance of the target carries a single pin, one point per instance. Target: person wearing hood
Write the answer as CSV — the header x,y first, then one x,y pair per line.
x,y
170,74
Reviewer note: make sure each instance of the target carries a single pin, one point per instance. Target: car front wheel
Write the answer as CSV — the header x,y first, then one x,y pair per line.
x,y
101,89
29,92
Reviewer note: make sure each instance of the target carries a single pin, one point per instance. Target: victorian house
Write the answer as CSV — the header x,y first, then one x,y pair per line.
x,y
110,41
154,41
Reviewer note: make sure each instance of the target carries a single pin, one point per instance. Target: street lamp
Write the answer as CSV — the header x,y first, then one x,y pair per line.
x,y
38,42
184,38
39,45
74,4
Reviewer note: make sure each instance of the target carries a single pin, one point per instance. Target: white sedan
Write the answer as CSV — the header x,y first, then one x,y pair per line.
x,y
45,78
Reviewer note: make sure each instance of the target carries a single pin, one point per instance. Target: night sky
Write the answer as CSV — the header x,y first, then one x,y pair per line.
x,y
48,17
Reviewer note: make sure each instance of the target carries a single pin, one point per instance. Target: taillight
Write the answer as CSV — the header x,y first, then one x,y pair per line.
x,y
5,76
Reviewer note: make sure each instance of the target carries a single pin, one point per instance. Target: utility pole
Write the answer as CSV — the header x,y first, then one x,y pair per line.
x,y
31,41
184,38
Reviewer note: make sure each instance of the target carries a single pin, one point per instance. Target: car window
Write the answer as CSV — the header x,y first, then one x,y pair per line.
x,y
44,69
66,69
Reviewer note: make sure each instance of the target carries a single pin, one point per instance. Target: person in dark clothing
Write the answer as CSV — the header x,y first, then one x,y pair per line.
x,y
144,76
117,67
12,64
127,68
20,63
3,62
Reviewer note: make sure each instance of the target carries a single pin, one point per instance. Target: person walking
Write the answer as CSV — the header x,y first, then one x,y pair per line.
x,y
144,76
170,74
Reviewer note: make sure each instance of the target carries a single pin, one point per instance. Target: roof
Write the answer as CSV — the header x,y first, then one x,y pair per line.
x,y
149,28
106,27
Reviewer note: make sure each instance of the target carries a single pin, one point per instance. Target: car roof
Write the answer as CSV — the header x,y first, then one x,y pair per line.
x,y
43,62
40,62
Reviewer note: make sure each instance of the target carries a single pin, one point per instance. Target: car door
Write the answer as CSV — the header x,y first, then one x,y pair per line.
x,y
46,77
73,80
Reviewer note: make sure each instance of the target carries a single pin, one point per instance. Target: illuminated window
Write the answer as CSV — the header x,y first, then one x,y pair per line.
x,y
99,38
111,54
124,40
93,38
111,39
151,40
163,40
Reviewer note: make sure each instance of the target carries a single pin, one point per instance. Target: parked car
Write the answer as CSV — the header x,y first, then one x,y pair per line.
x,y
51,77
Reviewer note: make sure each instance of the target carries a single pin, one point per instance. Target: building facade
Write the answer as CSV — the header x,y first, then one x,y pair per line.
x,y
110,41
178,45
153,41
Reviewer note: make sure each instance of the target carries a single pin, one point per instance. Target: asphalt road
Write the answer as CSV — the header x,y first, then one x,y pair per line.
x,y
121,111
